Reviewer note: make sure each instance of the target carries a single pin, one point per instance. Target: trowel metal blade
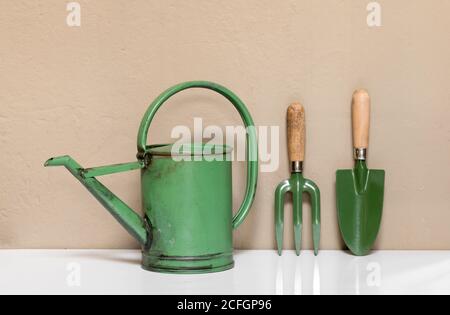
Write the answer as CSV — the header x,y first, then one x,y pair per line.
x,y
360,209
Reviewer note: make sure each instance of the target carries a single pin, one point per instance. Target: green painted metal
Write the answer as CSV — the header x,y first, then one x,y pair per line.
x,y
252,144
112,169
131,221
190,150
189,207
188,220
360,192
297,185
360,197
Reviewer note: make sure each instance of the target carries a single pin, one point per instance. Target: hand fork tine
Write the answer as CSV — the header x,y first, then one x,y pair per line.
x,y
314,193
280,197
297,198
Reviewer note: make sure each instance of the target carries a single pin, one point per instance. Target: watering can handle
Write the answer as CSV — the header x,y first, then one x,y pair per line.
x,y
252,145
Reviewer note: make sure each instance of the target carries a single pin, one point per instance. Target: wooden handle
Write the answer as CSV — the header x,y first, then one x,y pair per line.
x,y
361,119
296,132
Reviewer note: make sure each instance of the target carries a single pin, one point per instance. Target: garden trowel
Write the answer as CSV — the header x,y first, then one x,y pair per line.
x,y
360,192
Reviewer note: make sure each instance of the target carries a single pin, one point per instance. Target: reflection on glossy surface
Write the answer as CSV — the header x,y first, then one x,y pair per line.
x,y
298,275
256,272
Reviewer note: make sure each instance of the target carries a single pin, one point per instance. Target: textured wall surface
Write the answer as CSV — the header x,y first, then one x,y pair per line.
x,y
82,91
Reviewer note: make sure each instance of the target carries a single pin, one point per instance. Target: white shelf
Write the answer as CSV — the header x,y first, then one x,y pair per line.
x,y
256,273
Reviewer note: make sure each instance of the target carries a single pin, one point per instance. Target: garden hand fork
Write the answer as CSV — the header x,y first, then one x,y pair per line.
x,y
297,184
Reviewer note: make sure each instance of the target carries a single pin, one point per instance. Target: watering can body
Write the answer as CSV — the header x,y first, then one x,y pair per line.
x,y
186,195
188,204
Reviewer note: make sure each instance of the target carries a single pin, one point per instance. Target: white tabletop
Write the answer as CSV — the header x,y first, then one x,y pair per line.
x,y
256,273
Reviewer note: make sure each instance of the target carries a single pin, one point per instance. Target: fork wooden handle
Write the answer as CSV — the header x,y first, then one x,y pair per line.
x,y
361,119
296,132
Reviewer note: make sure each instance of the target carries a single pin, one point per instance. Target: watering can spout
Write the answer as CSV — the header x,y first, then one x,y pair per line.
x,y
129,219
61,161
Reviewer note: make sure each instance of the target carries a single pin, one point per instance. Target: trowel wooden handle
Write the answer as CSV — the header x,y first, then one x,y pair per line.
x,y
361,119
296,132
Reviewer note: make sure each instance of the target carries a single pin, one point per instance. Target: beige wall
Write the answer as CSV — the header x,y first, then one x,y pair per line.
x,y
83,92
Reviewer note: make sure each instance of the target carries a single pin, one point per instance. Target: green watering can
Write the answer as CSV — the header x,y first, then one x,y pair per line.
x,y
187,201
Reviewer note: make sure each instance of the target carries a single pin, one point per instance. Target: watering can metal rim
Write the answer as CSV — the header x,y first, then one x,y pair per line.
x,y
189,149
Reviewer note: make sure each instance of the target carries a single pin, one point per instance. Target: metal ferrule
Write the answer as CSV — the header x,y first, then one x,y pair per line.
x,y
297,167
360,154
